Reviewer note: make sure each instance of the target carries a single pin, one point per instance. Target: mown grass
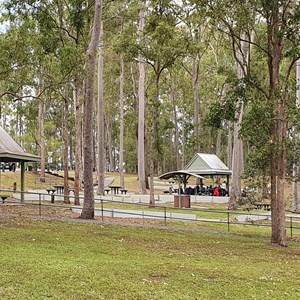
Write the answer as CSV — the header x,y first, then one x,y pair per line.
x,y
56,260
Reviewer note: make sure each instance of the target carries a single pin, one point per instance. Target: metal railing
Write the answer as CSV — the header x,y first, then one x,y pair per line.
x,y
106,208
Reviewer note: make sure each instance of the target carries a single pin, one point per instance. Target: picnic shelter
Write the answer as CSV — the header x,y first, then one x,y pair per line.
x,y
11,151
201,165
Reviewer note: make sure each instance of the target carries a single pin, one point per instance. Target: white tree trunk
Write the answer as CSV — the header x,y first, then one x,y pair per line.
x,y
195,77
237,152
296,160
42,108
101,148
121,154
78,141
176,138
109,145
218,143
141,117
66,144
229,144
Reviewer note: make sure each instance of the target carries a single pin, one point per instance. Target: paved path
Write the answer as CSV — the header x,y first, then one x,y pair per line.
x,y
127,213
132,198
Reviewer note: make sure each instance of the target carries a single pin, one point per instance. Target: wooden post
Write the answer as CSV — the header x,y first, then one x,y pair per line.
x,y
22,180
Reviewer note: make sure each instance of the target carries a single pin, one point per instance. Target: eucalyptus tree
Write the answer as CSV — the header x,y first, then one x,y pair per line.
x,y
141,96
295,152
37,82
198,36
278,43
100,115
161,47
89,203
59,31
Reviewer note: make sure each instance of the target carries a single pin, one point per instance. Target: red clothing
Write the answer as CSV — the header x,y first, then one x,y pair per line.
x,y
216,192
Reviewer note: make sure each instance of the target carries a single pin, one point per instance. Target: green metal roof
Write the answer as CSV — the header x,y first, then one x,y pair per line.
x,y
207,164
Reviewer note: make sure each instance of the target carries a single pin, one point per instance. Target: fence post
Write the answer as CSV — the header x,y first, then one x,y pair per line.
x,y
40,204
228,223
165,215
291,226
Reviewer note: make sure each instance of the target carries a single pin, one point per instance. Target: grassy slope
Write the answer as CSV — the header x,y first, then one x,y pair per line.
x,y
32,180
52,260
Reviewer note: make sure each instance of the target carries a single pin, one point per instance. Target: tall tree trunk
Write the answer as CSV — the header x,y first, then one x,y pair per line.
x,y
110,146
229,144
296,160
42,108
176,140
295,186
237,152
183,156
66,145
121,154
278,129
78,142
101,148
89,203
218,143
195,77
141,117
154,115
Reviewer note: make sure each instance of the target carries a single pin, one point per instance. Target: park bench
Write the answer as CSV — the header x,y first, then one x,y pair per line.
x,y
59,189
265,206
115,189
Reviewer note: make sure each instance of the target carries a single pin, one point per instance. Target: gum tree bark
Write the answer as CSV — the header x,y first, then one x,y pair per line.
x,y
66,145
42,108
78,145
141,96
296,160
89,202
121,155
242,59
101,148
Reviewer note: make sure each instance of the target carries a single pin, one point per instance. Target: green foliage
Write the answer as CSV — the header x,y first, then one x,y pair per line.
x,y
220,112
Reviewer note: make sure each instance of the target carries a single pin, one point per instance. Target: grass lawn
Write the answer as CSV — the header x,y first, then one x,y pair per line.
x,y
57,260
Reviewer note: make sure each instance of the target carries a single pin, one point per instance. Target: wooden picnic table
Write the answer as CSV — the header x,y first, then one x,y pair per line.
x,y
115,189
265,206
123,191
51,192
4,197
106,191
59,189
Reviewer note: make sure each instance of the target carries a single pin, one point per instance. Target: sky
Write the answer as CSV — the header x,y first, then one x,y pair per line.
x,y
3,25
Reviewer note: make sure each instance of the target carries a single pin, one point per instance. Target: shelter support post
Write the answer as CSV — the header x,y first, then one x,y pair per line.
x,y
227,183
22,180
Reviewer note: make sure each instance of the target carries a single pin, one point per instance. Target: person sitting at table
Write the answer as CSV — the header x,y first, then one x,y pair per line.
x,y
217,191
197,189
224,189
210,190
189,191
244,194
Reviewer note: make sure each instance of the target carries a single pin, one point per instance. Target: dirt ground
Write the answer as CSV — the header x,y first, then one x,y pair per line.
x,y
59,212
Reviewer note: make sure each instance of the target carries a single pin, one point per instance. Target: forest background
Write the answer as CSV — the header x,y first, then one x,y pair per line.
x,y
171,78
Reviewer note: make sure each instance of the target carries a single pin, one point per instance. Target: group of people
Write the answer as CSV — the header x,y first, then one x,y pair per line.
x,y
217,190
